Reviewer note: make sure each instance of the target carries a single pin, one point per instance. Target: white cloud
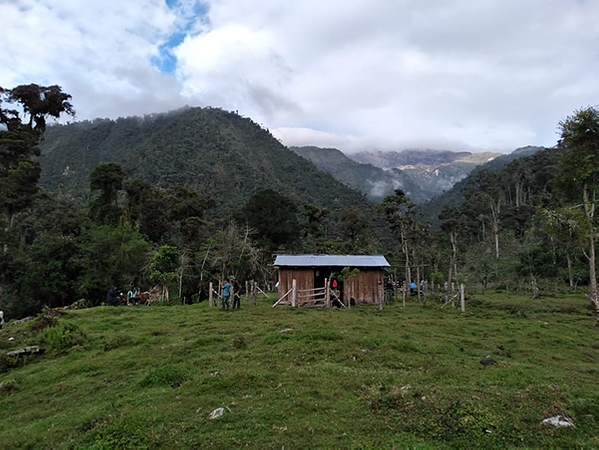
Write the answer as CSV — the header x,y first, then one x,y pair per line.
x,y
385,74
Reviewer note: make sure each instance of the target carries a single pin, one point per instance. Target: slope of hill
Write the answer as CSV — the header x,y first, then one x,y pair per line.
x,y
430,210
373,181
435,171
151,377
221,154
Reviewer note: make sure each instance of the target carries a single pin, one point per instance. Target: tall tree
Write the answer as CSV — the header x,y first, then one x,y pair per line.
x,y
578,177
273,217
313,225
108,180
397,210
21,128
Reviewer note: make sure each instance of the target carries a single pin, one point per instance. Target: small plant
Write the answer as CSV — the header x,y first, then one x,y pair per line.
x,y
238,342
116,341
61,338
8,386
163,376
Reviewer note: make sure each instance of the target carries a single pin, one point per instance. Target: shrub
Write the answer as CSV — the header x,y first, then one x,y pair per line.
x,y
116,341
61,338
163,376
8,386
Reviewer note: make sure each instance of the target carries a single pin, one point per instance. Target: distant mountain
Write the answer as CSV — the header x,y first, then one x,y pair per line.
x,y
430,210
435,171
220,154
374,182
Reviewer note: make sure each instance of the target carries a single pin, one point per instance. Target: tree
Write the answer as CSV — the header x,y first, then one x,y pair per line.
x,y
273,217
398,212
353,226
313,225
108,180
20,134
164,269
452,223
564,225
578,177
111,256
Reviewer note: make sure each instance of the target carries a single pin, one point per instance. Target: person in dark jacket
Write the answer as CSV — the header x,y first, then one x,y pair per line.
x,y
236,293
113,297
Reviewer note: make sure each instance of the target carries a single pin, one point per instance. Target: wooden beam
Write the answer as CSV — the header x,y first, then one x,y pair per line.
x,y
261,291
294,293
281,299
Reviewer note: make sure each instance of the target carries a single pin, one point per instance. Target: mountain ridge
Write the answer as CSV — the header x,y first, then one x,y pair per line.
x,y
374,182
218,153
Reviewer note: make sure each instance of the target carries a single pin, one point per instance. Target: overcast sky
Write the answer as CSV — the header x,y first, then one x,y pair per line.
x,y
352,74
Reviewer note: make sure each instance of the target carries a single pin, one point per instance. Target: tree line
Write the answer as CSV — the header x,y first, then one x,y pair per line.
x,y
530,223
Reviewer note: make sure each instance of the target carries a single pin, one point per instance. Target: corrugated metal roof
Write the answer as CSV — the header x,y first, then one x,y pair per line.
x,y
331,260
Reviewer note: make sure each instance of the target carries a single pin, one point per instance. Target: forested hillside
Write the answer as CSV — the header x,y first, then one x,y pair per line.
x,y
374,182
217,153
429,211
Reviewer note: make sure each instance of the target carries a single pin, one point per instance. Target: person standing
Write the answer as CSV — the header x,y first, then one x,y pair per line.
x,y
236,293
226,294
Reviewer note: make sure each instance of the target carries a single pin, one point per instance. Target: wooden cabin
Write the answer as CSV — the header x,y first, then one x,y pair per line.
x,y
311,271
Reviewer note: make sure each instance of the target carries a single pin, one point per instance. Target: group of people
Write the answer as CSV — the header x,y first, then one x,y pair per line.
x,y
227,285
114,296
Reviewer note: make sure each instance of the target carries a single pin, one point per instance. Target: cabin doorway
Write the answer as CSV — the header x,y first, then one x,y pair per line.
x,y
321,274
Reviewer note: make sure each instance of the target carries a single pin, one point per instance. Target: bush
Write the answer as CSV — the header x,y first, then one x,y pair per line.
x,y
116,341
8,386
61,338
163,376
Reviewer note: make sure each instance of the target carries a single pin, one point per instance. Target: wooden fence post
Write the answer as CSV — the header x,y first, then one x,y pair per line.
x,y
210,298
327,293
254,292
247,294
294,293
425,291
381,296
462,298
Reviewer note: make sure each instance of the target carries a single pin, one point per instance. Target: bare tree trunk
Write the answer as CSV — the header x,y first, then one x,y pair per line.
x,y
570,271
495,211
589,208
593,276
417,279
408,274
535,289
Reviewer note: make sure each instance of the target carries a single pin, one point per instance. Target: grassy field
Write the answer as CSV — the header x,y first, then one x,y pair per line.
x,y
413,377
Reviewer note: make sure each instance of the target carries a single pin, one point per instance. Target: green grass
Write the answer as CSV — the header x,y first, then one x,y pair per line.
x,y
149,377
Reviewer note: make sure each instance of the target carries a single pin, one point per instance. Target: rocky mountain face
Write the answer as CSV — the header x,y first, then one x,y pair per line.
x,y
374,182
429,211
435,171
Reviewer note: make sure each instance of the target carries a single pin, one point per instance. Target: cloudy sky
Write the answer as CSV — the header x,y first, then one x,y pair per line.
x,y
353,74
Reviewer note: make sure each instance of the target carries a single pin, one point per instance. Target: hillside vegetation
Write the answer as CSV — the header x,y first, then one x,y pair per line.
x,y
220,154
429,211
150,377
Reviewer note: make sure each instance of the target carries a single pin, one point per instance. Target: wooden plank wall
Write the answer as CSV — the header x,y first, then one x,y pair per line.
x,y
304,277
364,287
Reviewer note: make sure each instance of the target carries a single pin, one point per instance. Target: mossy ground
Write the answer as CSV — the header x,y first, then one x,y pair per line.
x,y
149,377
